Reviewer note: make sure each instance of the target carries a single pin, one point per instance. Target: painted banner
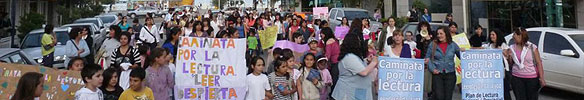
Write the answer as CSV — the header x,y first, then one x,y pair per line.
x,y
320,12
401,79
210,68
268,36
462,41
341,31
482,75
58,84
291,45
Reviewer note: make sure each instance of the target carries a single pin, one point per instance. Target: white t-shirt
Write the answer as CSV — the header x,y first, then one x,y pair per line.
x,y
125,79
187,31
257,86
412,44
87,94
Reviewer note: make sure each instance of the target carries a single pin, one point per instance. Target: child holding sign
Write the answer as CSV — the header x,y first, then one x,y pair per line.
x,y
257,83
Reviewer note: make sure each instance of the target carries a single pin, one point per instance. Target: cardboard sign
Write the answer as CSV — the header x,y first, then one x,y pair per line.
x,y
268,36
400,79
210,69
58,84
482,74
462,41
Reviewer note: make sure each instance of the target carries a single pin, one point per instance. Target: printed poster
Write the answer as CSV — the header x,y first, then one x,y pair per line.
x,y
320,12
400,79
210,69
482,75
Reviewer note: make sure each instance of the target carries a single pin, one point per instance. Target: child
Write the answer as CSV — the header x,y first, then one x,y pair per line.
x,y
30,86
275,54
110,87
252,42
310,79
76,64
144,51
137,91
313,44
159,78
325,76
92,78
288,56
298,38
257,83
283,86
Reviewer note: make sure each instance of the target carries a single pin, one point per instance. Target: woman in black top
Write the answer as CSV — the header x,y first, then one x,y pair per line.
x,y
125,53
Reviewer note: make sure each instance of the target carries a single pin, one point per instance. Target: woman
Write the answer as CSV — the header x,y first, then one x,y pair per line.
x,y
278,23
398,49
440,60
76,47
305,31
124,25
207,26
366,30
424,37
355,75
344,22
125,56
527,69
149,34
188,30
171,43
112,43
496,41
199,32
30,86
292,29
240,27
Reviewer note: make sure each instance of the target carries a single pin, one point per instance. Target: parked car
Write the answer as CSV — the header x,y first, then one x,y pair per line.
x,y
561,51
95,33
108,20
31,45
142,11
336,15
96,21
15,56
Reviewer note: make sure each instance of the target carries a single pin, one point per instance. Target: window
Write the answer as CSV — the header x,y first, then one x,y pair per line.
x,y
340,13
13,58
332,14
554,43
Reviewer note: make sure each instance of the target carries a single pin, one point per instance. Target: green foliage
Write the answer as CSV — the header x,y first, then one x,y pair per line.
x,y
401,21
71,14
107,1
351,3
29,22
418,4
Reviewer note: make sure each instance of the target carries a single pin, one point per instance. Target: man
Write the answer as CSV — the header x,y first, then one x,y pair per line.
x,y
386,34
453,28
48,42
413,15
168,16
478,38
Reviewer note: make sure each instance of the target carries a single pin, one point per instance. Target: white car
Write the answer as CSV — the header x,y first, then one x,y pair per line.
x,y
108,19
95,21
142,11
562,54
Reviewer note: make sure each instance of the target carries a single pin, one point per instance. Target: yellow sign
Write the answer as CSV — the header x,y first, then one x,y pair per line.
x,y
268,36
462,41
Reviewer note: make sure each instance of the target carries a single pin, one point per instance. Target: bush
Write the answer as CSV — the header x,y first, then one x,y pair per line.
x,y
29,22
419,5
401,21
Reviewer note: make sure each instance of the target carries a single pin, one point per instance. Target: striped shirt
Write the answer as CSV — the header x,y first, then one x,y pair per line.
x,y
131,56
276,82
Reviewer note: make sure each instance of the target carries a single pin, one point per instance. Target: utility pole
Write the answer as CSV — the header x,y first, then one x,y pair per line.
x,y
13,22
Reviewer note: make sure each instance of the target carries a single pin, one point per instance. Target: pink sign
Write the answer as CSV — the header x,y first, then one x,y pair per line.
x,y
320,12
341,31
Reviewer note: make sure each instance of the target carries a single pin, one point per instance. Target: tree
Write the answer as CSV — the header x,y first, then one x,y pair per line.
x,y
351,3
107,1
419,5
29,22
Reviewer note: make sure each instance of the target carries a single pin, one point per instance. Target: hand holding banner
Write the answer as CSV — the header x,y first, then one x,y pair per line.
x,y
401,79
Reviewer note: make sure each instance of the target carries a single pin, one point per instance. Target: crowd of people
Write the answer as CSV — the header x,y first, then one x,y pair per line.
x,y
139,64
